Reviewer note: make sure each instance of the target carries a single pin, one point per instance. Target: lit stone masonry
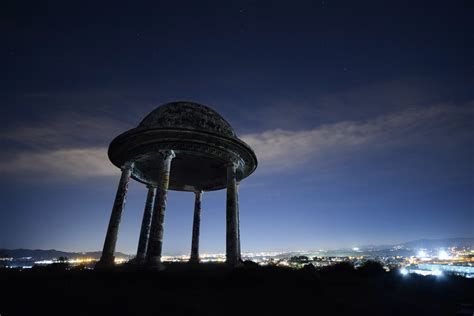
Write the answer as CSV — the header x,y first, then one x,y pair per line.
x,y
155,243
232,220
180,146
194,258
146,225
107,258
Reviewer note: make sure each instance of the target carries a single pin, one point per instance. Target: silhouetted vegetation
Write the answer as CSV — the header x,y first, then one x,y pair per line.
x,y
250,263
371,268
341,269
213,289
61,264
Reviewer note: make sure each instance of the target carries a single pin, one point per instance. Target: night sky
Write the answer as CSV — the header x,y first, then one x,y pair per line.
x,y
361,115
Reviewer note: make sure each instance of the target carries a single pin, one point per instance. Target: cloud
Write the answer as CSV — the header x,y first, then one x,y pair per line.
x,y
360,102
286,149
74,162
67,130
69,145
75,146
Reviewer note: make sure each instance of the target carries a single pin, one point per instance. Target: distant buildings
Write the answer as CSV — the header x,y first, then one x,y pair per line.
x,y
437,262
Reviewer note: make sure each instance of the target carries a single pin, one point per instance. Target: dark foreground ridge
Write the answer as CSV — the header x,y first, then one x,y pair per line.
x,y
213,289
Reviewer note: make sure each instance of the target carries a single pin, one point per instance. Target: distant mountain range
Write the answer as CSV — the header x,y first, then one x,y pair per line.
x,y
39,254
427,244
401,249
440,243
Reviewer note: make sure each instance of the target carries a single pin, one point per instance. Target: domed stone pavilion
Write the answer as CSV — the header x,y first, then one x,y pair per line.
x,y
182,146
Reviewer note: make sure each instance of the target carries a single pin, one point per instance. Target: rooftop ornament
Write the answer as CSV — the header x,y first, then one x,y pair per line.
x,y
181,146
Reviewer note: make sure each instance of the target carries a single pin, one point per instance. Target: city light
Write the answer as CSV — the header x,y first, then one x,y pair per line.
x,y
444,255
433,261
422,254
120,260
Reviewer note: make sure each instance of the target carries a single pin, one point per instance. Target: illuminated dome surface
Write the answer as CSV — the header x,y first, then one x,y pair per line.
x,y
188,115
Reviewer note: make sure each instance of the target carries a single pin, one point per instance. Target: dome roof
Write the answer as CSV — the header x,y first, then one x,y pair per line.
x,y
203,142
187,115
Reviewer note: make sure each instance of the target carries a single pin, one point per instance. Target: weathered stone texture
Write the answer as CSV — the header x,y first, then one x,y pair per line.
x,y
181,146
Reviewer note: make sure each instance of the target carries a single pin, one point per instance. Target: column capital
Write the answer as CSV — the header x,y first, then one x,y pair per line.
x,y
235,164
128,165
168,154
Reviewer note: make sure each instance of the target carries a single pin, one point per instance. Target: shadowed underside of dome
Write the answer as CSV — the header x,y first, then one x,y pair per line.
x,y
203,141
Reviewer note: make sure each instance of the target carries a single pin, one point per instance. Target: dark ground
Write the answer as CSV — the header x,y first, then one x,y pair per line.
x,y
218,290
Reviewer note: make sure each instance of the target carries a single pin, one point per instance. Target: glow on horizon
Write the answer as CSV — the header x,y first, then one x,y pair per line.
x,y
444,255
422,254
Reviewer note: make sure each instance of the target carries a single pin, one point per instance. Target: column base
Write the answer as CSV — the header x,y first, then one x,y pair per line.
x,y
235,263
139,261
155,264
194,261
105,263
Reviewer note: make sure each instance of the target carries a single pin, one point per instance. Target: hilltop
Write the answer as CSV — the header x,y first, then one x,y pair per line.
x,y
213,289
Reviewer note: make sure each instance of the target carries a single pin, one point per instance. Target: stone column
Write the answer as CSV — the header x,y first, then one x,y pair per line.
x,y
155,242
146,223
196,228
238,220
107,258
232,213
